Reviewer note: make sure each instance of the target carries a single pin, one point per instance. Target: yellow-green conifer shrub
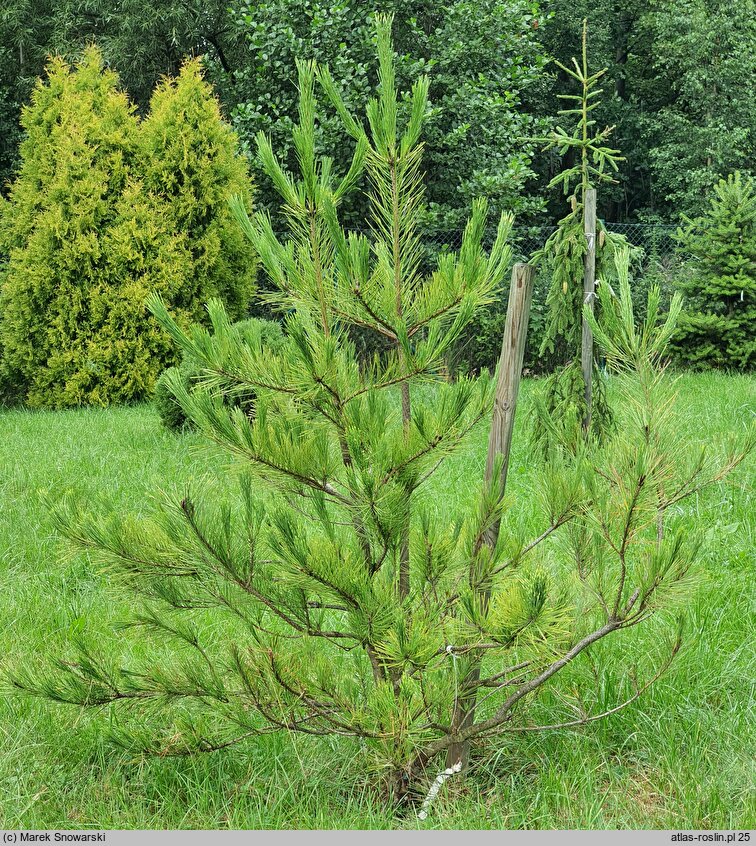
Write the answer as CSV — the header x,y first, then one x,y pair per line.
x,y
75,159
106,209
190,165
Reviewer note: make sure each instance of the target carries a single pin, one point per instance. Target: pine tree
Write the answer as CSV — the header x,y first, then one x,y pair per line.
x,y
105,210
304,604
718,326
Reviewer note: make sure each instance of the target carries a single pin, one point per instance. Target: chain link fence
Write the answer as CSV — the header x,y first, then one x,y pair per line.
x,y
656,240
480,344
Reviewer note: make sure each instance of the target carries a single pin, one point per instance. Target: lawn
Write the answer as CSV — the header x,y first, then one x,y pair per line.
x,y
681,757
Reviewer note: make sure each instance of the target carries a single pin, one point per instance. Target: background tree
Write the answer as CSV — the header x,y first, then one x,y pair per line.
x,y
616,48
673,90
673,87
481,58
719,280
700,124
148,40
25,34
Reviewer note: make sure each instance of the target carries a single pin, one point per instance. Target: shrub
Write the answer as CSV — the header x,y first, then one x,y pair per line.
x,y
75,162
170,412
189,166
105,210
188,372
718,326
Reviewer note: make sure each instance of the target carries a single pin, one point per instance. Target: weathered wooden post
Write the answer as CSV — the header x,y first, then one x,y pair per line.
x,y
589,290
499,443
508,378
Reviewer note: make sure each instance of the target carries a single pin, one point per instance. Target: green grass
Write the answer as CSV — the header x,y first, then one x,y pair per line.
x,y
681,757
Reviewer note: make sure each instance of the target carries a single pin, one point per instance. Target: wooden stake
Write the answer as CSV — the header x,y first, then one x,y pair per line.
x,y
499,443
589,290
508,378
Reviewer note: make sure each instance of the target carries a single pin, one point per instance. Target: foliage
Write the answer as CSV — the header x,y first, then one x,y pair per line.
x,y
674,85
80,140
169,411
481,58
149,39
484,62
700,125
561,408
718,328
329,616
104,210
189,166
563,259
479,346
253,332
24,39
674,90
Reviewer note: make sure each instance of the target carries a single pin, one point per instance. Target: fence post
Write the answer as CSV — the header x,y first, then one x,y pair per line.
x,y
589,289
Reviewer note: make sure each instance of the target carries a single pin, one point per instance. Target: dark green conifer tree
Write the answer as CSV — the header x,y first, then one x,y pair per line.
x,y
718,325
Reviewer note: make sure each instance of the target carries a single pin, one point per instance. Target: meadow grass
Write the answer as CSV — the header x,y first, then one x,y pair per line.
x,y
681,757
